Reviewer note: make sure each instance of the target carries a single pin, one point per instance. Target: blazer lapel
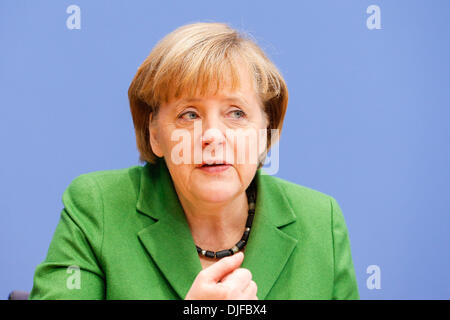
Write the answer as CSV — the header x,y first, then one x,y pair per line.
x,y
269,248
169,241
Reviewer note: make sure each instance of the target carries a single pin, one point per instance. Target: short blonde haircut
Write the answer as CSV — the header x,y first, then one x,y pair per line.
x,y
194,58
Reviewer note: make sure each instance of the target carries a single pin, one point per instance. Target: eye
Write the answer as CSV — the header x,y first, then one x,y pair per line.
x,y
237,114
189,115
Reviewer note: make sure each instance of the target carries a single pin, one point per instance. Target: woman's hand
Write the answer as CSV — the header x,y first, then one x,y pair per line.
x,y
224,280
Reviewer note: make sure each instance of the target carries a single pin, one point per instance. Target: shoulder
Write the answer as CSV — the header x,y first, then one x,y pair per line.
x,y
108,177
314,210
90,188
300,196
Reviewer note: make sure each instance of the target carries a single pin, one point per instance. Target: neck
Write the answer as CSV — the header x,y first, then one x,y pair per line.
x,y
216,225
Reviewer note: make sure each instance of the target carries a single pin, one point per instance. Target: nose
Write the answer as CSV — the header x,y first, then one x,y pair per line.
x,y
213,133
212,136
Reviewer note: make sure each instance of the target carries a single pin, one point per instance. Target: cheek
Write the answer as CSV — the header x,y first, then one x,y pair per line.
x,y
178,153
181,177
166,141
175,141
246,146
246,172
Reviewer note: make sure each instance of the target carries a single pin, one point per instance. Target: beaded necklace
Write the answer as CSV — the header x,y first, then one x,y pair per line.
x,y
251,196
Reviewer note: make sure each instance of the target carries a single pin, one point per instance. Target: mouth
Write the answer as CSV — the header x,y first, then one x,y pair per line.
x,y
214,167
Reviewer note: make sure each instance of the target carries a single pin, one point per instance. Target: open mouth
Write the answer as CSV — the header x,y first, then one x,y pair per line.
x,y
214,167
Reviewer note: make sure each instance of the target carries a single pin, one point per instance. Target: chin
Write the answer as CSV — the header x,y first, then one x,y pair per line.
x,y
217,191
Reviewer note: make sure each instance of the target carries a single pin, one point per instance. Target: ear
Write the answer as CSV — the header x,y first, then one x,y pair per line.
x,y
154,136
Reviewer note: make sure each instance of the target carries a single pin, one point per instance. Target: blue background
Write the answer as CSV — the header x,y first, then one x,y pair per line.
x,y
367,122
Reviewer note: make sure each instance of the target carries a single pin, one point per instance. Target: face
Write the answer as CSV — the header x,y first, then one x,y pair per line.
x,y
211,129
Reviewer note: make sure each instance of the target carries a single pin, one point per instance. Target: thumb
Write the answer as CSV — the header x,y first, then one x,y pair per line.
x,y
224,266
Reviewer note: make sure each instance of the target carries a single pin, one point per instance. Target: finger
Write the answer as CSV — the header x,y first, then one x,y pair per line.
x,y
250,291
240,277
222,267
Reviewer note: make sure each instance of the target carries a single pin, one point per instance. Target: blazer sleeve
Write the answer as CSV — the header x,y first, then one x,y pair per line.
x,y
345,285
72,269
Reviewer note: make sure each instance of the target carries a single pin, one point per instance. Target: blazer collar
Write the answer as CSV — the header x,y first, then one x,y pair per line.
x,y
169,241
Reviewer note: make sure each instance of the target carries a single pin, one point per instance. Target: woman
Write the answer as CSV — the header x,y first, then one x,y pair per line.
x,y
200,220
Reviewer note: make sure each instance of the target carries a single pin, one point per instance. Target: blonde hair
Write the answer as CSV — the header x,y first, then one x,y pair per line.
x,y
193,58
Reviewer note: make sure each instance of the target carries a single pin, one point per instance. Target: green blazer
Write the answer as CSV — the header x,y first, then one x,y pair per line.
x,y
123,235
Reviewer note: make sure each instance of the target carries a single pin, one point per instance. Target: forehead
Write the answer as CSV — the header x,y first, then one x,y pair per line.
x,y
234,98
